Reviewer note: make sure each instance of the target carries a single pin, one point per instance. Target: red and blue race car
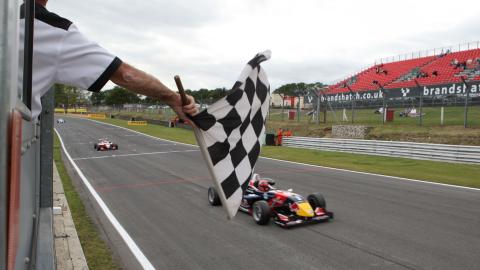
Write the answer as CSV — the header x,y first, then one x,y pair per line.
x,y
264,202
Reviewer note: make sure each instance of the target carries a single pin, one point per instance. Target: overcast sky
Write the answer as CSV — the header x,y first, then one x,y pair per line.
x,y
207,42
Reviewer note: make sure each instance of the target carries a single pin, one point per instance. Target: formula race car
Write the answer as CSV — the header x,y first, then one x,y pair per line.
x,y
263,202
60,121
105,144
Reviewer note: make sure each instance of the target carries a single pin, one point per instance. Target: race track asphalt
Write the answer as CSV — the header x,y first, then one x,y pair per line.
x,y
157,190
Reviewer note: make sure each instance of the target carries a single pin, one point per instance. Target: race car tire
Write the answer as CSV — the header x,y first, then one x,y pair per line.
x,y
213,197
115,147
316,200
95,146
261,212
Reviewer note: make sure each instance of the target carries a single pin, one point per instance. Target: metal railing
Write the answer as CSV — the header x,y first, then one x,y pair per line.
x,y
430,52
426,151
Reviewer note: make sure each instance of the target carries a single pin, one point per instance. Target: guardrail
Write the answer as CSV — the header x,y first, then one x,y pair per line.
x,y
426,151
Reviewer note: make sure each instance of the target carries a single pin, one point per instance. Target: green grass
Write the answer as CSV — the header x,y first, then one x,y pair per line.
x,y
97,253
453,116
440,172
401,129
173,134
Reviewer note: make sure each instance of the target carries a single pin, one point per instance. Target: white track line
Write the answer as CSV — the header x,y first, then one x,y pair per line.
x,y
131,130
318,166
123,233
137,154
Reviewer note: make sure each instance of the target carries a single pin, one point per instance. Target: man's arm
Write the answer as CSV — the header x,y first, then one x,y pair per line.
x,y
145,84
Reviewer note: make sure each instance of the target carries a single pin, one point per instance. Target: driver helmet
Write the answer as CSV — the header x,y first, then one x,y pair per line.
x,y
263,186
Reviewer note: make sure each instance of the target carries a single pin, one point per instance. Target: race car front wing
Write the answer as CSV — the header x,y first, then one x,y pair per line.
x,y
299,221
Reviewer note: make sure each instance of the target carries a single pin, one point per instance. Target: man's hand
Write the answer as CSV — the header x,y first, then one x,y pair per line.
x,y
190,108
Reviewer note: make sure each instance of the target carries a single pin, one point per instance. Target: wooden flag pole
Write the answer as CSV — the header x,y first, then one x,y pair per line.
x,y
181,91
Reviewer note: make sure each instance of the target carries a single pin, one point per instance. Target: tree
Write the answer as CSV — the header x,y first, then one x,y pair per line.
x,y
293,89
119,95
66,96
218,93
98,98
204,95
152,100
287,89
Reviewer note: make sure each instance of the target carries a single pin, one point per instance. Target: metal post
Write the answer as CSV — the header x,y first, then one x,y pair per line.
x,y
465,114
442,116
353,107
46,150
42,247
298,109
325,112
352,101
283,106
420,119
384,113
28,53
318,108
324,108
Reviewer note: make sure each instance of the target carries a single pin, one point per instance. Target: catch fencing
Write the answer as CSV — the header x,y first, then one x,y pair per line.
x,y
426,151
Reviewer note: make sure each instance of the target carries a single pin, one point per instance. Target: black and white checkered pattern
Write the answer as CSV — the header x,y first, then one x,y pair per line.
x,y
230,132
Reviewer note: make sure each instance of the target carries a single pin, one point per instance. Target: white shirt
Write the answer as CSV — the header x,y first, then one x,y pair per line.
x,y
61,54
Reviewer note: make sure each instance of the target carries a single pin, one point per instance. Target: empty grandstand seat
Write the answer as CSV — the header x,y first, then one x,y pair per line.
x,y
399,74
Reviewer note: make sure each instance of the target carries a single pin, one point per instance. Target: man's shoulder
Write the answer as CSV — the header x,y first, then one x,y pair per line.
x,y
42,14
50,18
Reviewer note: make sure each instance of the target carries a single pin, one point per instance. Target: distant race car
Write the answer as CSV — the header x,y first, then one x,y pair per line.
x,y
105,144
287,209
60,121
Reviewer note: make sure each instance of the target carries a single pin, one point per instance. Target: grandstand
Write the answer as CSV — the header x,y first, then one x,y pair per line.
x,y
441,69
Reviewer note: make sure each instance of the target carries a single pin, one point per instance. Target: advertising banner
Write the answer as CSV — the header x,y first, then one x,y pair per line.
x,y
459,89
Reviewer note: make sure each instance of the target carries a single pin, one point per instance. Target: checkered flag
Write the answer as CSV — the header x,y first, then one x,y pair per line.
x,y
229,132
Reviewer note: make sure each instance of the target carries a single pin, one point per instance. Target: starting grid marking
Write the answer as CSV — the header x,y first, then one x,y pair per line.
x,y
139,154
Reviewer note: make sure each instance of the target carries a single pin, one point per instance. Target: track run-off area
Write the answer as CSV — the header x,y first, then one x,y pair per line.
x,y
150,198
